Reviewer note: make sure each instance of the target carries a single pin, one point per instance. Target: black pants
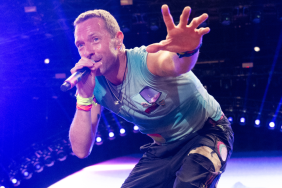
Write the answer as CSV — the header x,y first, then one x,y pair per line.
x,y
170,166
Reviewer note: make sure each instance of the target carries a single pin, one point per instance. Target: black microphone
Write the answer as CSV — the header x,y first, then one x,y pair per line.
x,y
74,78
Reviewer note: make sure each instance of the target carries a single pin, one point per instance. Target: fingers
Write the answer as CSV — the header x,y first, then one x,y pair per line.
x,y
184,17
197,21
153,48
84,62
203,31
167,18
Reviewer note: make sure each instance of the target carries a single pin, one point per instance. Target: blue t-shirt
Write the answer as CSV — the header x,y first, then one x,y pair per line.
x,y
169,106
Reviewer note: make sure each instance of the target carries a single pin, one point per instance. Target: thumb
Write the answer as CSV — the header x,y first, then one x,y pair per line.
x,y
153,48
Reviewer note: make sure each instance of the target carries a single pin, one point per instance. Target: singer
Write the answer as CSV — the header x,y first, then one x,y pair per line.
x,y
153,87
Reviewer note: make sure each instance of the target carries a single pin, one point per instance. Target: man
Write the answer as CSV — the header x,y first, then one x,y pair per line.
x,y
154,88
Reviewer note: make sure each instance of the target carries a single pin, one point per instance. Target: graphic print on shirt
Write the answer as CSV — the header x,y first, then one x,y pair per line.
x,y
151,96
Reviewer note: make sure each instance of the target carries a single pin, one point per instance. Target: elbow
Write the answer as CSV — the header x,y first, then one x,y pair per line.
x,y
81,154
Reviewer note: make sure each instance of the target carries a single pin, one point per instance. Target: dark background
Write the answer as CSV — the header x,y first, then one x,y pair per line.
x,y
35,115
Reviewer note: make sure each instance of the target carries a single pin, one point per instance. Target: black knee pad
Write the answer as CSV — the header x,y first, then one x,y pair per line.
x,y
196,171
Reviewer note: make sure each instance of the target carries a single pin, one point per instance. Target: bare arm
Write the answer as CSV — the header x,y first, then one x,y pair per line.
x,y
83,130
162,59
165,63
85,123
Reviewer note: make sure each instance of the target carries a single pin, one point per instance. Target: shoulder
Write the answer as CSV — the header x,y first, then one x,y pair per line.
x,y
137,51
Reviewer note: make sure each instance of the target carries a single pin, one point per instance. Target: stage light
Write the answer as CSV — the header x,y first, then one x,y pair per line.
x,y
257,123
15,181
46,155
135,129
14,178
26,169
61,155
38,166
98,139
2,186
60,149
281,128
271,125
49,161
46,61
122,132
111,135
257,49
230,119
242,120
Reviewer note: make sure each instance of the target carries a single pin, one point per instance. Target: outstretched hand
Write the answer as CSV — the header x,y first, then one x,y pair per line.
x,y
182,37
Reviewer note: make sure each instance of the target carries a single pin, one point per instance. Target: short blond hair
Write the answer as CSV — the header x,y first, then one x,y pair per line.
x,y
110,22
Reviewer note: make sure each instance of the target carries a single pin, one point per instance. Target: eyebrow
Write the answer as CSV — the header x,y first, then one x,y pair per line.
x,y
91,35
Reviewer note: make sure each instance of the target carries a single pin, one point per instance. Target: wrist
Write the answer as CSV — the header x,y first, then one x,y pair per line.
x,y
85,104
189,53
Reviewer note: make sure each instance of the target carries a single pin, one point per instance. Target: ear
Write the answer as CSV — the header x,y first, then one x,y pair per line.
x,y
119,38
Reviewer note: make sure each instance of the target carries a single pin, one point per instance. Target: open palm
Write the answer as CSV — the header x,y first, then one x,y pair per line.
x,y
182,37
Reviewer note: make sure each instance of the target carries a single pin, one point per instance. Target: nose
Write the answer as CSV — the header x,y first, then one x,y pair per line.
x,y
88,51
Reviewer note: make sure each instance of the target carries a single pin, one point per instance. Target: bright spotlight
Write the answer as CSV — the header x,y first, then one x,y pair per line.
x,y
38,167
271,125
111,134
257,49
135,129
122,132
242,120
230,119
98,139
257,123
14,180
46,61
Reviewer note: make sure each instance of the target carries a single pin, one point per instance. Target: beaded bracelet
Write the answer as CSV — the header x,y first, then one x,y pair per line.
x,y
188,53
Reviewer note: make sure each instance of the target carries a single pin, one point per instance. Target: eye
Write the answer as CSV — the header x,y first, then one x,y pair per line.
x,y
95,39
80,45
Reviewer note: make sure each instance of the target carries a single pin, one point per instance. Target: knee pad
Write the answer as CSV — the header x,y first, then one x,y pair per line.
x,y
198,171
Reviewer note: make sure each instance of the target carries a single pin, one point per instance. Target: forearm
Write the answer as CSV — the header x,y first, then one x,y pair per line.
x,y
83,130
165,63
184,64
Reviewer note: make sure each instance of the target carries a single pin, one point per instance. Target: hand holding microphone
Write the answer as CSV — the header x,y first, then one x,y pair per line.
x,y
82,71
74,78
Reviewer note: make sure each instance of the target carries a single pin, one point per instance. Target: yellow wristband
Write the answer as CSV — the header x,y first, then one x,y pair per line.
x,y
84,101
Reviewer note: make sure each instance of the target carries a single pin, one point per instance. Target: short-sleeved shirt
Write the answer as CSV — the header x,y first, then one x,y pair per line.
x,y
169,106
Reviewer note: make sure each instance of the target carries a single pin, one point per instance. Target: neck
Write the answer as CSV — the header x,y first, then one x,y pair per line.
x,y
118,75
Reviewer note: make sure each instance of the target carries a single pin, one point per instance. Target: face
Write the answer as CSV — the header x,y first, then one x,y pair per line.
x,y
94,42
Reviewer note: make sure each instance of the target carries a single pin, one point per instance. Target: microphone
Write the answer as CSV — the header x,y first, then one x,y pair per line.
x,y
74,79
